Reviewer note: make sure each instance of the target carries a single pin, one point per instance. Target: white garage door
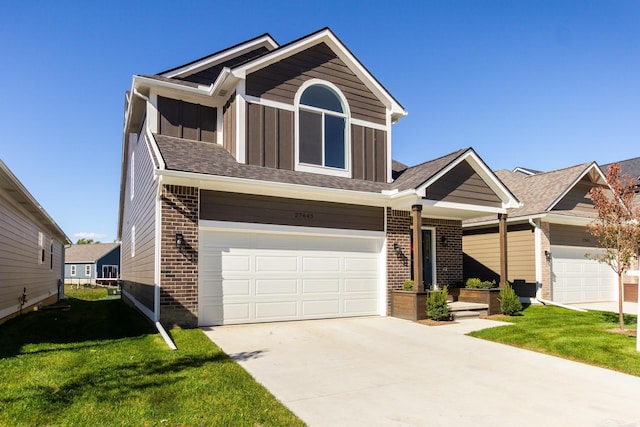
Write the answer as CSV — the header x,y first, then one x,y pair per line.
x,y
260,277
579,279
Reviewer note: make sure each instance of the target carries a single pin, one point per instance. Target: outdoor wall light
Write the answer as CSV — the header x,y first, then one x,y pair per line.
x,y
397,250
179,240
444,241
547,255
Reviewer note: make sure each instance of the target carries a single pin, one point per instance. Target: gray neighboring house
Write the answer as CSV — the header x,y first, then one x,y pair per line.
x,y
97,263
32,249
630,167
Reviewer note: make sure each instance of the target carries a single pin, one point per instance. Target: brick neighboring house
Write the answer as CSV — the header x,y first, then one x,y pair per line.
x,y
257,185
630,167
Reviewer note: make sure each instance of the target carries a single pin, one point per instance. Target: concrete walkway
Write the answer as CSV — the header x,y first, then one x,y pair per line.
x,y
382,371
627,307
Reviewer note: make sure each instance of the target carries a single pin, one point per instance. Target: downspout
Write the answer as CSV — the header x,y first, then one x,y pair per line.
x,y
538,261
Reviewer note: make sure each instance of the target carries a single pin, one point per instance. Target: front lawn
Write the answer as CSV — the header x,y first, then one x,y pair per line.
x,y
101,363
573,335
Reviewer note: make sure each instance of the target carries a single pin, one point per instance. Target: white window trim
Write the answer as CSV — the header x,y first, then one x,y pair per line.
x,y
326,170
40,247
72,270
133,170
87,270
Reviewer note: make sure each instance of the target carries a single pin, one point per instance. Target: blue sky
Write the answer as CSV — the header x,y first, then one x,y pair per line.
x,y
540,84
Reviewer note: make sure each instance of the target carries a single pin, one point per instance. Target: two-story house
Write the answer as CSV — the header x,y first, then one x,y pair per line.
x,y
258,185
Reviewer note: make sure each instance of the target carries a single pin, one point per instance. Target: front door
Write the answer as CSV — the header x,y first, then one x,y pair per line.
x,y
427,258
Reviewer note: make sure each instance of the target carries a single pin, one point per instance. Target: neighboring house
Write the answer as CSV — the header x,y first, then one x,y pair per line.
x,y
31,250
97,263
547,238
630,167
258,185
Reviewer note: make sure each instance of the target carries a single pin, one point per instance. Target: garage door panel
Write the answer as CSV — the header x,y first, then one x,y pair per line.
x,y
321,286
276,287
271,277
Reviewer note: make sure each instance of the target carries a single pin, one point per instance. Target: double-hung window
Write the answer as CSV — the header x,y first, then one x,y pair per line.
x,y
322,130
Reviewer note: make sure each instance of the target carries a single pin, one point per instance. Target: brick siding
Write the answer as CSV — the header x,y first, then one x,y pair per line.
x,y
179,267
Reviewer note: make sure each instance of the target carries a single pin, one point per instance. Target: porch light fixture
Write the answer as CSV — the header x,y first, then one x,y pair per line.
x,y
397,250
179,240
444,241
547,255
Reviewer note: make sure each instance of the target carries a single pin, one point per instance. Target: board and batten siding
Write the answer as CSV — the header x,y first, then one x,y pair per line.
x,y
186,120
21,263
571,235
229,125
280,82
482,254
369,153
270,137
236,207
137,272
462,184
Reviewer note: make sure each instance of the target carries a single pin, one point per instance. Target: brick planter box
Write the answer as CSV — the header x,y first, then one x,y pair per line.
x,y
409,305
482,296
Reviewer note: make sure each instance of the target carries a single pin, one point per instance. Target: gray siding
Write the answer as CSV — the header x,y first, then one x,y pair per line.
x,y
221,206
21,264
369,153
281,81
463,185
269,137
568,235
137,272
186,120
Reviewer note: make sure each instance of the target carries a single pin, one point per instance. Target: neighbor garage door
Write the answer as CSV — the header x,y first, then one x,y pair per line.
x,y
265,277
579,279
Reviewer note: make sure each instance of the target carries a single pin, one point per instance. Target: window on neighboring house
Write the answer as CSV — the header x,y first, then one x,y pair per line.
x,y
72,270
323,130
133,169
41,254
109,271
87,270
51,256
133,241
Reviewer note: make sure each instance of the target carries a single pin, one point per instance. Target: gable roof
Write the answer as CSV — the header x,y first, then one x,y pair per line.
x,y
627,167
10,184
541,192
88,253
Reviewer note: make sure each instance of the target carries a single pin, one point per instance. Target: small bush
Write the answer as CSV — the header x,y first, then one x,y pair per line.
x,y
437,307
509,301
407,285
475,283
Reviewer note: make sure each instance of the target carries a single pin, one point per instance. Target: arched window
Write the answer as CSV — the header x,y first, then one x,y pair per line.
x,y
322,128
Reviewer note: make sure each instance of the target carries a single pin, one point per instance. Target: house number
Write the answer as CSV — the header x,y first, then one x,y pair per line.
x,y
304,215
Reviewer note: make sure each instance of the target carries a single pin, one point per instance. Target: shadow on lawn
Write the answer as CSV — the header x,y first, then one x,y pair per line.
x,y
85,321
609,317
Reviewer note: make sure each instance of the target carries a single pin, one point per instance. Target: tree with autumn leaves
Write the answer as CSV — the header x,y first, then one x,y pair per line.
x,y
617,228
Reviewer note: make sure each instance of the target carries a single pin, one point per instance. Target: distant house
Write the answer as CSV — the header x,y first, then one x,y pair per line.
x,y
96,263
32,250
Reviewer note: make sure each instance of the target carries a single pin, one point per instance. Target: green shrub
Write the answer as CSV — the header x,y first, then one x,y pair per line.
x,y
475,283
407,285
509,301
437,307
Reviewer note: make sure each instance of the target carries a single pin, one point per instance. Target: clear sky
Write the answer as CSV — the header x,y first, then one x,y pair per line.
x,y
539,84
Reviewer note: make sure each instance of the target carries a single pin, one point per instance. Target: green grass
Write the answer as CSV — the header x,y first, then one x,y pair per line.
x,y
582,337
90,293
101,363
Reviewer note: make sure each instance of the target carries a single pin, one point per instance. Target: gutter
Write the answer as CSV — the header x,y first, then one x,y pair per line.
x,y
538,262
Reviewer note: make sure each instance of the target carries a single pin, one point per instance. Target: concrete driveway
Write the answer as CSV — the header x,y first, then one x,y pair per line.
x,y
382,371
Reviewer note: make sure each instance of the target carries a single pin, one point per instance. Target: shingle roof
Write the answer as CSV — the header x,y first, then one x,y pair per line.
x,y
171,80
88,253
538,192
627,167
415,176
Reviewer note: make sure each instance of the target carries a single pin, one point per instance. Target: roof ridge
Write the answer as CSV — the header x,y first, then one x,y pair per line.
x,y
438,158
562,169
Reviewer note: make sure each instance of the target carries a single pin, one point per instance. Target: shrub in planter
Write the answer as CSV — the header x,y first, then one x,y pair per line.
x,y
407,285
437,307
475,283
509,301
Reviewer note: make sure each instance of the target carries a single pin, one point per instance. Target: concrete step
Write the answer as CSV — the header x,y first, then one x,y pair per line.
x,y
467,310
468,314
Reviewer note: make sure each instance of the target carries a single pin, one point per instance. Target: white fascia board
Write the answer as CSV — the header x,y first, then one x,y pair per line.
x,y
193,68
148,82
156,150
507,198
511,220
462,206
567,220
269,188
339,49
592,166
